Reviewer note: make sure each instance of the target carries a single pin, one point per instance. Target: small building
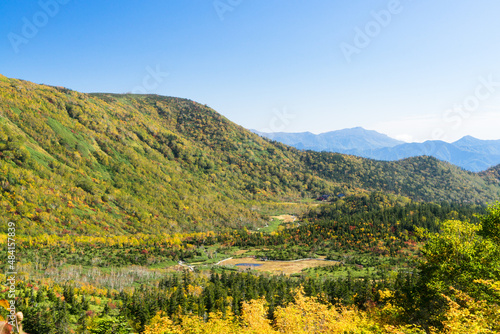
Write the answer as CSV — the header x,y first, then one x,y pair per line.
x,y
323,198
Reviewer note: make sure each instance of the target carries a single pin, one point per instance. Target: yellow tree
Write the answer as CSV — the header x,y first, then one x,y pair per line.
x,y
307,315
254,317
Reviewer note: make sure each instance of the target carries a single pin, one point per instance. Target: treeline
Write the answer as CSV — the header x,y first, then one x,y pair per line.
x,y
376,224
54,308
226,292
455,288
373,223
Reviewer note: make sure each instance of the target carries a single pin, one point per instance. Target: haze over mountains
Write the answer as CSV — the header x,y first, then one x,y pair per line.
x,y
469,153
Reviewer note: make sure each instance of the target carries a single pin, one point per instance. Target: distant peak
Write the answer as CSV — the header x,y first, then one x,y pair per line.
x,y
358,129
467,139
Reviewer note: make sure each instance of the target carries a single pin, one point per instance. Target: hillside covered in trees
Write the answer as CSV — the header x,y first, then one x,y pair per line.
x,y
453,287
126,208
101,164
492,175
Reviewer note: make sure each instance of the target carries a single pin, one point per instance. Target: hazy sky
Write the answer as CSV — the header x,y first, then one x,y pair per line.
x,y
413,69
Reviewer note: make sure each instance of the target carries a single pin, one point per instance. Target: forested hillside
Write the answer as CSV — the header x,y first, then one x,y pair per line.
x,y
420,178
97,164
445,282
74,163
492,175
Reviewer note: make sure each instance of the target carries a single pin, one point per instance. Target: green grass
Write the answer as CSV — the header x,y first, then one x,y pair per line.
x,y
272,226
163,264
358,265
39,157
205,260
67,136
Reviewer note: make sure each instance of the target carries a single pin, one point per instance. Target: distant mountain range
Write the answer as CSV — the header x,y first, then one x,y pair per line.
x,y
469,153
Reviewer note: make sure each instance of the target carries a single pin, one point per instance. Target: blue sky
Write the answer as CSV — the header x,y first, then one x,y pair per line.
x,y
413,69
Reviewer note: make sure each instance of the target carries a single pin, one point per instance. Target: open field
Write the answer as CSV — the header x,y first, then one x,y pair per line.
x,y
285,218
279,267
276,221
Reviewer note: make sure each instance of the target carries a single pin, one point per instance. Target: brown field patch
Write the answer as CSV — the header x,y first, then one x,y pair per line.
x,y
241,251
279,267
285,218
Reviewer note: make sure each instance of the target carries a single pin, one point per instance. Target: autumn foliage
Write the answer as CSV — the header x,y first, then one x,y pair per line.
x,y
302,316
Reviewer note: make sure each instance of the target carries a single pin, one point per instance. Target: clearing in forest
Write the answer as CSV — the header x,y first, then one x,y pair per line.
x,y
285,218
277,267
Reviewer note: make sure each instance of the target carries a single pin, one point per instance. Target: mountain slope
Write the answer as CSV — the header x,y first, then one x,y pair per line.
x,y
100,164
421,178
74,162
492,175
491,147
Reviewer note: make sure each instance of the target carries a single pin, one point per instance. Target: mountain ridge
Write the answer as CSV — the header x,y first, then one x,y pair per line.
x,y
341,140
468,152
